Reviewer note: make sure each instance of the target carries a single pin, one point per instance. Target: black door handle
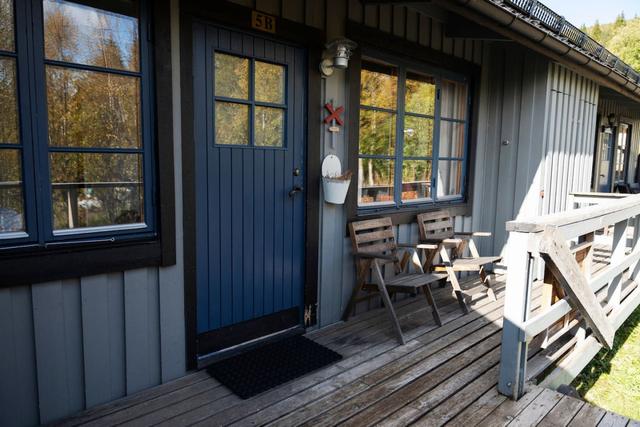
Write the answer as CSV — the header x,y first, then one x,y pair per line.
x,y
296,189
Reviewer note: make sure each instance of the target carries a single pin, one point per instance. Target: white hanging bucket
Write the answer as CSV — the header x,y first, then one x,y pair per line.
x,y
334,187
335,190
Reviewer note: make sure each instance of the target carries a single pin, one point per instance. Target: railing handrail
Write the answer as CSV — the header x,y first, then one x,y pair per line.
x,y
556,253
581,221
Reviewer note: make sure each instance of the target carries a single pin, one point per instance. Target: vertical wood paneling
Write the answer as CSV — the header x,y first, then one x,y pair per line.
x,y
142,328
58,337
293,10
18,384
103,337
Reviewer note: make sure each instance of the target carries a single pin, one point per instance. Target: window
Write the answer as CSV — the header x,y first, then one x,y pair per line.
x,y
81,168
412,136
250,102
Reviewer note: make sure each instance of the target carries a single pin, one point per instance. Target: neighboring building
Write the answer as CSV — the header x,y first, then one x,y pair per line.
x,y
160,166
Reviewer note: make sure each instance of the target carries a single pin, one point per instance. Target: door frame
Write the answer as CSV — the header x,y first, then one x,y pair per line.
x,y
239,17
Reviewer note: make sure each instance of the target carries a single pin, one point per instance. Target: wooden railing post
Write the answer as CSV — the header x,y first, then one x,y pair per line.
x,y
513,360
618,253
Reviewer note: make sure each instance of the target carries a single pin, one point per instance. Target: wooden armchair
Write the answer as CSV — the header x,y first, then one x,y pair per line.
x,y
437,228
374,246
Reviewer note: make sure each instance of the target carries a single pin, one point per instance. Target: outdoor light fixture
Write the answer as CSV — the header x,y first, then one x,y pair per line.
x,y
611,120
340,51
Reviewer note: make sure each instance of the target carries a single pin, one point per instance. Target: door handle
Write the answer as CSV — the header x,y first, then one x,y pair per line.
x,y
294,190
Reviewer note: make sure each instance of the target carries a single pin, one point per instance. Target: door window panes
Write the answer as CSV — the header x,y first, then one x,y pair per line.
x,y
269,82
269,127
7,25
8,102
420,94
451,139
416,180
454,100
378,86
418,136
249,114
232,123
377,132
231,76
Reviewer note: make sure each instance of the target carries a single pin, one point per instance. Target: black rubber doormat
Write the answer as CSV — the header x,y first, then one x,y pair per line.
x,y
263,368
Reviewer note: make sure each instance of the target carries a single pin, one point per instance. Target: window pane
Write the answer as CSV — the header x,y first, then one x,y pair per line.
x,y
378,88
420,95
375,183
232,123
11,202
91,190
418,136
92,109
377,132
232,76
85,35
451,139
454,100
269,83
449,178
6,25
416,179
269,127
8,102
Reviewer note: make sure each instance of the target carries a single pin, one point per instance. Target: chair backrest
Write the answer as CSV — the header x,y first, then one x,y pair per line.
x,y
435,226
373,235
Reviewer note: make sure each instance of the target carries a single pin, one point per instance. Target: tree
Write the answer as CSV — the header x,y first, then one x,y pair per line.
x,y
596,32
626,44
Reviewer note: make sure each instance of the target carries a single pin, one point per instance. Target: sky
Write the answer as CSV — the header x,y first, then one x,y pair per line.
x,y
580,12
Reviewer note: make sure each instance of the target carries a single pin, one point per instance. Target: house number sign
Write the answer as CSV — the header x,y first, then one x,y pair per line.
x,y
263,22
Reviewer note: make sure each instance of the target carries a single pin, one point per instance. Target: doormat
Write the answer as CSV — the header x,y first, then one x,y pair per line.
x,y
265,367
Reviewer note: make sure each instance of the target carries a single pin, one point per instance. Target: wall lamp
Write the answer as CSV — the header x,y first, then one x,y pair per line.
x,y
611,121
340,51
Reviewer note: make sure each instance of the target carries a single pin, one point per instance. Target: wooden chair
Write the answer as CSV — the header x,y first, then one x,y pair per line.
x,y
437,228
374,247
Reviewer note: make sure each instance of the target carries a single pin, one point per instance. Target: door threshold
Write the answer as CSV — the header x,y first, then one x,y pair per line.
x,y
208,359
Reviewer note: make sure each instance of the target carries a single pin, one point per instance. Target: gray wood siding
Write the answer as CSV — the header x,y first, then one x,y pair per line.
x,y
547,113
71,344
570,135
608,106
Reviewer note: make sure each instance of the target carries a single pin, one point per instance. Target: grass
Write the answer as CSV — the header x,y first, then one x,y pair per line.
x,y
612,379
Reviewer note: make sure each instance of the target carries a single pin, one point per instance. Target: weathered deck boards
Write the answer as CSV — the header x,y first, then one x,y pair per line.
x,y
443,375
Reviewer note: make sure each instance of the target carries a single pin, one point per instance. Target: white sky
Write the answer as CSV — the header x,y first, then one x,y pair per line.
x,y
580,12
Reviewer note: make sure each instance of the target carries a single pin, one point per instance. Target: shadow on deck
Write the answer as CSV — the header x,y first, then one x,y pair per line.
x,y
443,375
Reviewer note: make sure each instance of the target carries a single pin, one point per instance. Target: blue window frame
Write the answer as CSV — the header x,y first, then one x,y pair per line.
x,y
80,158
413,136
251,102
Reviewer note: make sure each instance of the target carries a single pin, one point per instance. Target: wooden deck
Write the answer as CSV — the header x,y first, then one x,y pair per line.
x,y
443,375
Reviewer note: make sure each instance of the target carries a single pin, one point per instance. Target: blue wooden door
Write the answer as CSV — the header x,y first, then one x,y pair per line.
x,y
249,99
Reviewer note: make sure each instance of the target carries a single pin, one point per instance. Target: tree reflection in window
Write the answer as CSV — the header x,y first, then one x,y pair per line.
x,y
412,136
94,115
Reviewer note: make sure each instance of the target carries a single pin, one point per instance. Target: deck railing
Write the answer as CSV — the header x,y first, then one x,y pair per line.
x,y
577,311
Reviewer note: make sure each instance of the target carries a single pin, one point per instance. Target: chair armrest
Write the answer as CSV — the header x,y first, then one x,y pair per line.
x,y
449,242
474,233
374,255
418,245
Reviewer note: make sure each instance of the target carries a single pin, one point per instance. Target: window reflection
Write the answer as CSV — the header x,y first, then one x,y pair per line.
x,y
6,25
8,102
269,83
92,190
378,86
232,123
416,179
375,181
269,127
11,197
231,76
420,94
85,35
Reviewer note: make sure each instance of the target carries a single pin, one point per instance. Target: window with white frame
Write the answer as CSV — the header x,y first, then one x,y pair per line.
x,y
412,146
75,134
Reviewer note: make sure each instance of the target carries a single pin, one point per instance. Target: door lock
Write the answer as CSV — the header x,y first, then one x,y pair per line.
x,y
296,172
294,190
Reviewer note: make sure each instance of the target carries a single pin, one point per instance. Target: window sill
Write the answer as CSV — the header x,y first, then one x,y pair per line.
x,y
407,214
72,261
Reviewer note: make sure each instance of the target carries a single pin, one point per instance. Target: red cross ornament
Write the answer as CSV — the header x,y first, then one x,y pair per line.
x,y
334,114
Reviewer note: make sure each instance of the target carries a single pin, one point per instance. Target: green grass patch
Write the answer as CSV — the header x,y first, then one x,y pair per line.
x,y
612,379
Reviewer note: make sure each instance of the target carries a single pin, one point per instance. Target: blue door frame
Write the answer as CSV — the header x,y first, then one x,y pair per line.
x,y
250,231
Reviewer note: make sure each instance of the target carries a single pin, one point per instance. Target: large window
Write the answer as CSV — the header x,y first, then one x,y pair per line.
x,y
75,138
412,136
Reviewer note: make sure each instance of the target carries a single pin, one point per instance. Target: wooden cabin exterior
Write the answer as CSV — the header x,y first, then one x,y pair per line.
x,y
232,241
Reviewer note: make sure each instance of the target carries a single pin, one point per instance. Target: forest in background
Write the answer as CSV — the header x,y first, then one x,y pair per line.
x,y
621,37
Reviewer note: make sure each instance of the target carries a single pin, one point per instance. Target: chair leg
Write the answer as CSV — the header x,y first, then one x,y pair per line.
x,y
487,283
458,291
432,302
361,275
382,289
